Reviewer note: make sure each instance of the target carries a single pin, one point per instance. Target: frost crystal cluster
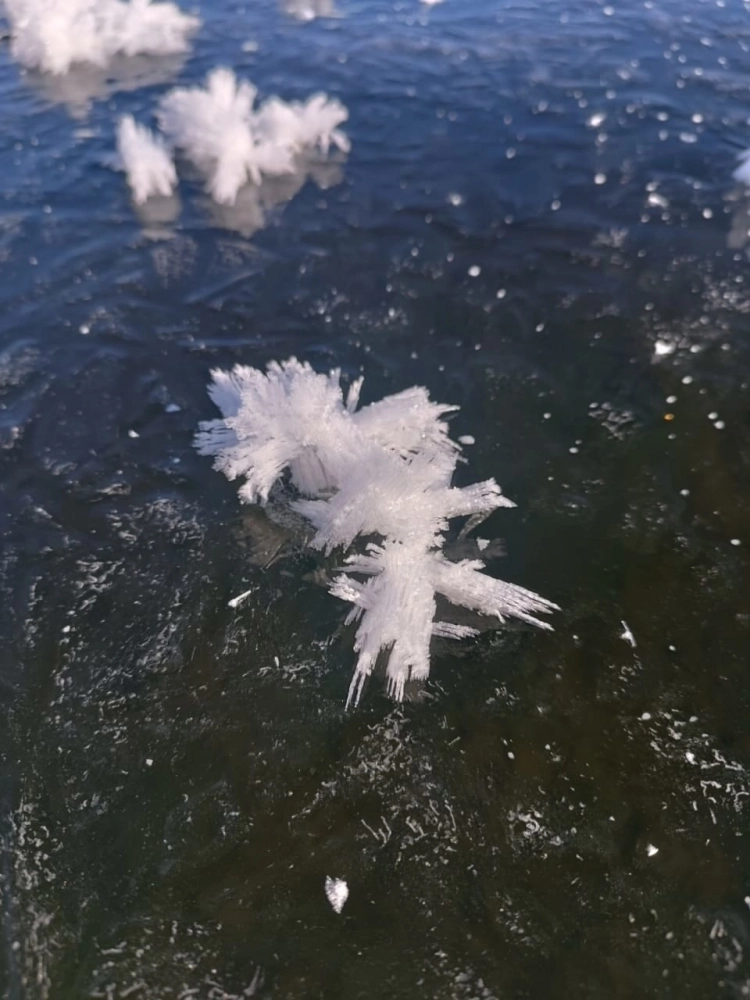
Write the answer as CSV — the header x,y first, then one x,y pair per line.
x,y
52,35
231,142
382,473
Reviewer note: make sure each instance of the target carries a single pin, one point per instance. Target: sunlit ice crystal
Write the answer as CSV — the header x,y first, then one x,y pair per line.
x,y
385,472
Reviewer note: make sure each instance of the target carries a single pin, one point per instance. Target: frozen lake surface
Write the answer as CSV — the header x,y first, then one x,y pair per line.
x,y
537,221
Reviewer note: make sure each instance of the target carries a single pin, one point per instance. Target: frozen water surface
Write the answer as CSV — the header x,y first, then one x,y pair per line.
x,y
552,814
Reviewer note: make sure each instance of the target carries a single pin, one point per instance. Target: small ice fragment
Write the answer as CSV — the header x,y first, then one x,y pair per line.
x,y
735,541
149,762
500,293
66,629
250,46
236,601
600,178
747,901
651,850
466,439
172,408
689,757
719,425
337,893
671,399
133,434
84,328
646,717
596,120
482,543
573,450
687,379
688,137
455,199
474,271
713,416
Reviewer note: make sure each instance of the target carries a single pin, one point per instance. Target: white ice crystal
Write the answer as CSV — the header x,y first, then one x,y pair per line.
x,y
220,130
383,472
52,35
337,892
145,159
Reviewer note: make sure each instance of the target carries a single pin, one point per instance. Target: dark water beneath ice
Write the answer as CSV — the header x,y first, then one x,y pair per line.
x,y
562,815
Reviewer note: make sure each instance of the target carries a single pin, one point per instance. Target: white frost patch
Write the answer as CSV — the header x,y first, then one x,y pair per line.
x,y
337,893
651,850
146,160
53,35
382,471
221,132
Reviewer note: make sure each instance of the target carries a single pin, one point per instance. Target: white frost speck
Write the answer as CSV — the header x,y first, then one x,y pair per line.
x,y
651,850
466,439
474,271
337,893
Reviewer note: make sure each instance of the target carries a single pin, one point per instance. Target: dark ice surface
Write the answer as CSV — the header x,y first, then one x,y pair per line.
x,y
538,222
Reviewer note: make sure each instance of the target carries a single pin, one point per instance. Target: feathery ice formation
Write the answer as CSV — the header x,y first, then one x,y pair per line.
x,y
146,160
230,142
384,470
52,35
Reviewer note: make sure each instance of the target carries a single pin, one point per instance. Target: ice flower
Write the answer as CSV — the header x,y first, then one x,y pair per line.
x,y
53,35
145,159
231,142
382,472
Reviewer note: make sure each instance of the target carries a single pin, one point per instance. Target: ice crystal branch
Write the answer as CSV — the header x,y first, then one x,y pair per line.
x,y
384,471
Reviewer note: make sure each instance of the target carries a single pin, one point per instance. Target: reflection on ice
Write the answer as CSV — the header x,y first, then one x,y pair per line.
x,y
84,84
308,10
256,202
739,232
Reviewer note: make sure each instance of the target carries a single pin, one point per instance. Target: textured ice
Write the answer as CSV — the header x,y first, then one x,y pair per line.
x,y
52,35
383,474
220,130
146,160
